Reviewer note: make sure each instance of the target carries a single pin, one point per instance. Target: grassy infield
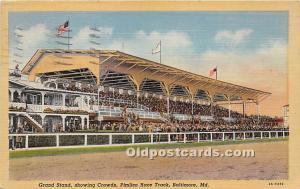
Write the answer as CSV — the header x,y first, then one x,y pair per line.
x,y
79,150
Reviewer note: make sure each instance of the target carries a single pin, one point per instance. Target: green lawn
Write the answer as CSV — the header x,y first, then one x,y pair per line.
x,y
99,149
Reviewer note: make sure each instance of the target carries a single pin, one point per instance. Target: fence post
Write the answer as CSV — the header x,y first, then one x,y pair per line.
x,y
233,135
261,135
151,136
198,137
169,138
253,135
184,137
276,134
57,140
244,135
26,141
110,139
283,135
223,137
132,138
85,139
211,139
269,134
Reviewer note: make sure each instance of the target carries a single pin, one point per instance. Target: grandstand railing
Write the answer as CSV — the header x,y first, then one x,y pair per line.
x,y
108,111
145,114
17,104
41,108
35,108
183,117
122,101
48,140
14,73
117,112
115,100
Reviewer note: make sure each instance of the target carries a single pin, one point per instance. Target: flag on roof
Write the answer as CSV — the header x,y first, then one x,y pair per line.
x,y
157,48
63,28
212,71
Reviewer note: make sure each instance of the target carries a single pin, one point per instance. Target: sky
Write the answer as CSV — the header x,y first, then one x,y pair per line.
x,y
248,48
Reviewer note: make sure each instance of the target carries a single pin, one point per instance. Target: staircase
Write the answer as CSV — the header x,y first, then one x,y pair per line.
x,y
33,122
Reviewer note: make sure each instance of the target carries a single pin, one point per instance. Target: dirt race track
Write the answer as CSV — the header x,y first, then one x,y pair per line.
x,y
270,162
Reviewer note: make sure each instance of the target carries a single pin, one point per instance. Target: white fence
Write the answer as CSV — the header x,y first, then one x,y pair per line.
x,y
48,140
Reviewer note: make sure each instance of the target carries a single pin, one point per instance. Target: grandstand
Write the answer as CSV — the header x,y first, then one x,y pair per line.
x,y
105,90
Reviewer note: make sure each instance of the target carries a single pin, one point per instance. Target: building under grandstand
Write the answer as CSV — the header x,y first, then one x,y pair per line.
x,y
67,90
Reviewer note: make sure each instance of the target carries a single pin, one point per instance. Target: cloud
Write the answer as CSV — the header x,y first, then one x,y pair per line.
x,y
142,43
32,38
82,39
266,60
139,43
233,37
264,68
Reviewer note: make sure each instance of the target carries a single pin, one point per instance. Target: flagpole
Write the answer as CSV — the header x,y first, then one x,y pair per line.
x,y
68,40
160,52
68,34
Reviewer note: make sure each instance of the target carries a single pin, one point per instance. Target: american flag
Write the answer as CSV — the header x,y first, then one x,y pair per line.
x,y
63,28
212,71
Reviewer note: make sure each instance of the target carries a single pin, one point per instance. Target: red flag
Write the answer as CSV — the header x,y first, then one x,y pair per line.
x,y
212,72
63,28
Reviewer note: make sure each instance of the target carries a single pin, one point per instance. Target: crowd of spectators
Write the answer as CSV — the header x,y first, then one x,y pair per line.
x,y
156,103
152,103
187,126
81,87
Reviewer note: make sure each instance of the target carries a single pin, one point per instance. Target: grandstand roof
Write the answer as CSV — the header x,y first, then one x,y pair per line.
x,y
121,70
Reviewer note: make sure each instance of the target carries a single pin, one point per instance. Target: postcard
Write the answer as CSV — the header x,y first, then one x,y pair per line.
x,y
149,94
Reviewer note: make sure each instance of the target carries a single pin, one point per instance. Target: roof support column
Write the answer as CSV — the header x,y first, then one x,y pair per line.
x,y
211,99
168,105
244,108
192,91
81,122
167,87
211,107
257,110
88,122
229,108
229,105
43,99
43,118
12,95
138,92
63,117
137,80
64,100
243,105
192,106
